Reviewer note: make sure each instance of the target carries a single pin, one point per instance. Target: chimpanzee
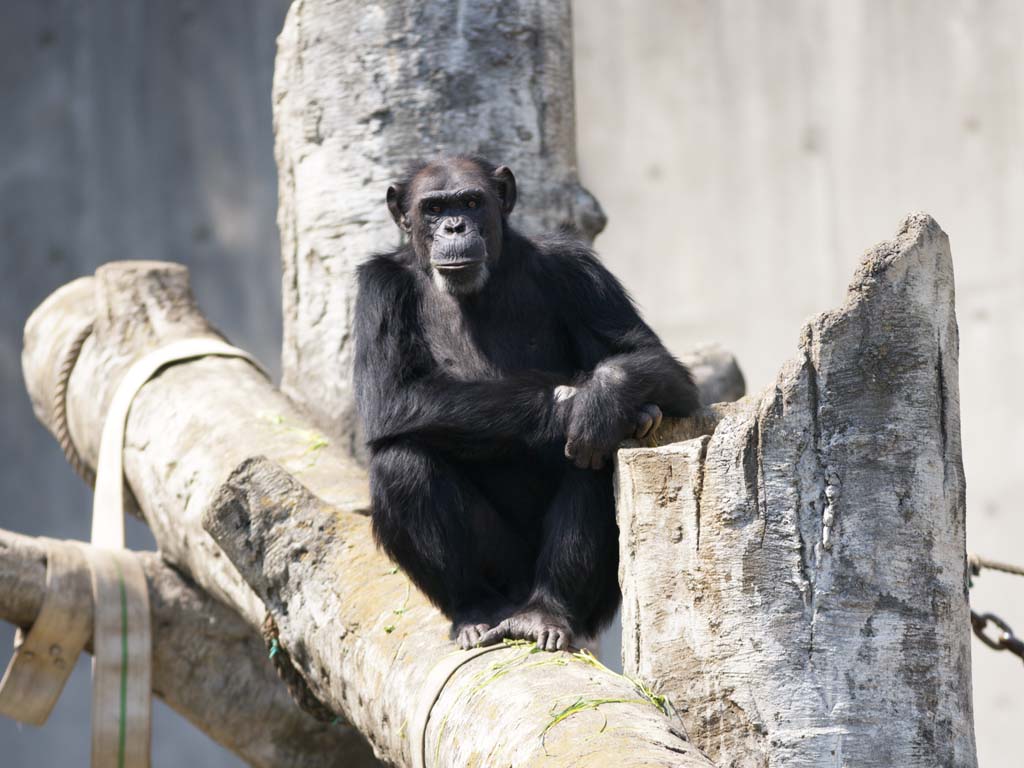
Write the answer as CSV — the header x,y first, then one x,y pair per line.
x,y
495,374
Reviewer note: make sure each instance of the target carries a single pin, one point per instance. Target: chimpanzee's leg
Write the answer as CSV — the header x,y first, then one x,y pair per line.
x,y
576,588
445,536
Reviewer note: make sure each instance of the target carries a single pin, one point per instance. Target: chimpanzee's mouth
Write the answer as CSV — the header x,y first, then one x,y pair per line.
x,y
456,266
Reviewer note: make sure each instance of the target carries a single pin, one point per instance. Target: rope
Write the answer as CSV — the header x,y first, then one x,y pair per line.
x,y
1005,640
60,409
290,675
977,562
431,692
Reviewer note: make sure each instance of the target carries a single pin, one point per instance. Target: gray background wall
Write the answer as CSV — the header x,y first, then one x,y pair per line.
x,y
746,154
128,129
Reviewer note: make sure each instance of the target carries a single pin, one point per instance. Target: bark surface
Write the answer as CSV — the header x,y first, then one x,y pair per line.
x,y
210,442
361,89
797,578
208,665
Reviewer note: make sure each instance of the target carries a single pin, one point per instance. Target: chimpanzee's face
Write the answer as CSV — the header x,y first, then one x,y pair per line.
x,y
454,214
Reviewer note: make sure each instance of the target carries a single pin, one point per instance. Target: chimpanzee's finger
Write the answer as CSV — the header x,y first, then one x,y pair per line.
x,y
554,638
655,413
495,635
644,421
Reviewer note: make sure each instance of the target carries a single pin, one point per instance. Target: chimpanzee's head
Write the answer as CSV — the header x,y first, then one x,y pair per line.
x,y
454,211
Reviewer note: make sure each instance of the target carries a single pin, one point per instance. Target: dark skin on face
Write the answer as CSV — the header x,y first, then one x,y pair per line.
x,y
495,375
453,213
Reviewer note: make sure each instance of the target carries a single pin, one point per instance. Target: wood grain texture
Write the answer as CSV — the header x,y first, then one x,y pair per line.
x,y
363,88
796,580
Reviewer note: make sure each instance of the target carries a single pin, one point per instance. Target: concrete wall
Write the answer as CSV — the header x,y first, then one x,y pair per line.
x,y
128,129
747,152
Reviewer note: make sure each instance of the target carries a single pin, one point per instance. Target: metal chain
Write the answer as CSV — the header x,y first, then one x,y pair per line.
x,y
1005,640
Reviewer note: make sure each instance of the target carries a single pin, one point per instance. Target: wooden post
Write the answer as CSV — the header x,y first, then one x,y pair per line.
x,y
796,580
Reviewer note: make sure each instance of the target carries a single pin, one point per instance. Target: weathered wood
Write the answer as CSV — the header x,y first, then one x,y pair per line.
x,y
204,422
369,641
359,91
716,373
208,665
362,637
796,581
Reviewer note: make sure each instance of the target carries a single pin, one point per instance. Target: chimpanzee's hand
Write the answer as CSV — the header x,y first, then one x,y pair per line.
x,y
596,425
594,430
648,419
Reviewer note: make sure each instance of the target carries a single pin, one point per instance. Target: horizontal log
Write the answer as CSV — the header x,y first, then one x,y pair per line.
x,y
201,417
213,436
208,665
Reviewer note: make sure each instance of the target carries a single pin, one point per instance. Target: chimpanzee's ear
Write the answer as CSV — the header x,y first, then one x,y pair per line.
x,y
506,188
395,194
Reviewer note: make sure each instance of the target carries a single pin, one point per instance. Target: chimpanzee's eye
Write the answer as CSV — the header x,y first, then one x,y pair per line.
x,y
472,204
435,208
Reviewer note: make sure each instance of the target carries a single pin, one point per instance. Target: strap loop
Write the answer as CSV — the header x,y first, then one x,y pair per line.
x,y
122,660
45,655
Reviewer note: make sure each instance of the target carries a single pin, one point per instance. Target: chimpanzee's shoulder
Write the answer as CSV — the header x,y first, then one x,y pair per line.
x,y
386,273
562,256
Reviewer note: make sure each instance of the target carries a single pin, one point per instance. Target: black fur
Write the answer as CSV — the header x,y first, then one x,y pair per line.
x,y
493,494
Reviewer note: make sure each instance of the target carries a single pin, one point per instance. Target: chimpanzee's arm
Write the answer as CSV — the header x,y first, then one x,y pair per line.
x,y
626,366
400,392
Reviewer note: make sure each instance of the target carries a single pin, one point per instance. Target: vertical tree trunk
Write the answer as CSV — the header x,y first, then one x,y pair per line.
x,y
361,89
797,579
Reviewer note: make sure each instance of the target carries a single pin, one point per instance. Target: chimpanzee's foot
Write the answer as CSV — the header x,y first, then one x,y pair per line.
x,y
468,634
470,625
549,631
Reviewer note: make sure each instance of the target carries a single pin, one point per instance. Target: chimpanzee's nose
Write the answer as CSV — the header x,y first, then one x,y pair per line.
x,y
454,227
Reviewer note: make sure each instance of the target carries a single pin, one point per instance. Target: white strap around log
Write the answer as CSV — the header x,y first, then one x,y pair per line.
x,y
122,644
108,502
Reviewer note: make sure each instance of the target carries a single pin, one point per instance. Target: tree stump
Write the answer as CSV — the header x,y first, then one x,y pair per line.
x,y
796,580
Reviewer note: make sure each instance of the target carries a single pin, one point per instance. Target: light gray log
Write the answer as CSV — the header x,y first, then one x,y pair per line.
x,y
796,581
359,91
208,665
205,422
363,639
